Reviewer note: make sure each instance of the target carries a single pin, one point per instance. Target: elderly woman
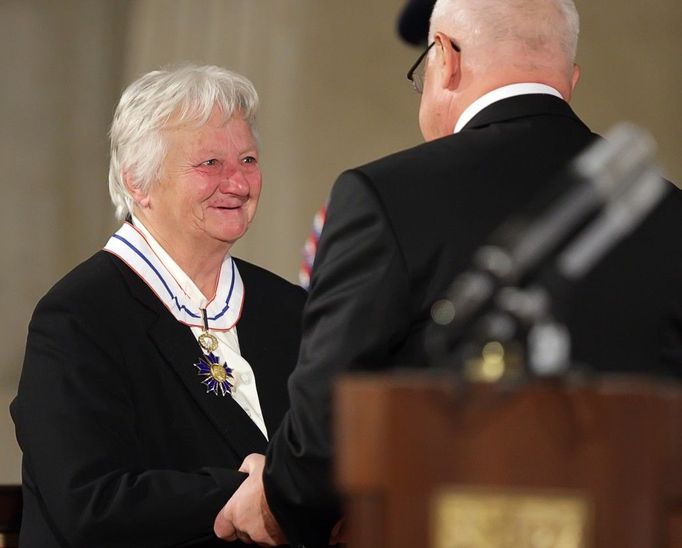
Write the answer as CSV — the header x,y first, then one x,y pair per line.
x,y
158,364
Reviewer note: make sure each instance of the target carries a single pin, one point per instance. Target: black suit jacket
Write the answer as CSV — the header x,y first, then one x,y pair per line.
x,y
122,446
397,232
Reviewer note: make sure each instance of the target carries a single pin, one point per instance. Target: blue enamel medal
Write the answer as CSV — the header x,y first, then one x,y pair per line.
x,y
218,377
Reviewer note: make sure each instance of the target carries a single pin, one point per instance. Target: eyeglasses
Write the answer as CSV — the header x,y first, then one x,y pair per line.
x,y
416,72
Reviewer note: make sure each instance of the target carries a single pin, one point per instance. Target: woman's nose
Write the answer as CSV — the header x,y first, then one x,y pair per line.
x,y
233,181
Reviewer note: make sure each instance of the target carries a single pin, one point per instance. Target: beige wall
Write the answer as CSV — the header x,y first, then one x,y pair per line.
x,y
60,74
331,75
631,59
332,88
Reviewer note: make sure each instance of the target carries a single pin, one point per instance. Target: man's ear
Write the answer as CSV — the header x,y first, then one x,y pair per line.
x,y
575,78
448,62
140,197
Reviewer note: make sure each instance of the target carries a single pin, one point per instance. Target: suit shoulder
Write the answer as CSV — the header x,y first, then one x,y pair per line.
x,y
92,275
404,158
90,295
388,172
264,281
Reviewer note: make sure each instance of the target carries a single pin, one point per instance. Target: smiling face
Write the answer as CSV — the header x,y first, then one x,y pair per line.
x,y
208,188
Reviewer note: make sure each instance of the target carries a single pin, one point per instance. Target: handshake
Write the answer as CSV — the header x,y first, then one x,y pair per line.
x,y
247,516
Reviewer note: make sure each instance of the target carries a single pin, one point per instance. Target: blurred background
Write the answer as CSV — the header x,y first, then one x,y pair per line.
x,y
331,77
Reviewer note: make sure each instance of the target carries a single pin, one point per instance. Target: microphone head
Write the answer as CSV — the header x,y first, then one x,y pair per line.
x,y
413,22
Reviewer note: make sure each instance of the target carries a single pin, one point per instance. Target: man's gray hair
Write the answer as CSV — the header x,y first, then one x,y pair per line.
x,y
162,100
537,24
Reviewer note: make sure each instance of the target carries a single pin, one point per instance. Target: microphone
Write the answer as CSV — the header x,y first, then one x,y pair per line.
x,y
603,195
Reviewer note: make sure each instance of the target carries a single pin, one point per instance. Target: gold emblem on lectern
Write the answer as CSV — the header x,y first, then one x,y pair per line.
x,y
470,518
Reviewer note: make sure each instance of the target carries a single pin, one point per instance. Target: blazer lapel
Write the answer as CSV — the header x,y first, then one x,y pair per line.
x,y
181,351
271,377
268,367
178,347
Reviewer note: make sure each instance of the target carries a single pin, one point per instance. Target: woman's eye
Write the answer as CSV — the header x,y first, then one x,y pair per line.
x,y
211,162
249,160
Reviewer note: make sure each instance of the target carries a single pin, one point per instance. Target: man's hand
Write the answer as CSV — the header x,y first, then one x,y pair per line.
x,y
338,534
247,516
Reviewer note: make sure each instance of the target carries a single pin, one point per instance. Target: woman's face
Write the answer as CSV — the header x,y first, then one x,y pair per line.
x,y
208,188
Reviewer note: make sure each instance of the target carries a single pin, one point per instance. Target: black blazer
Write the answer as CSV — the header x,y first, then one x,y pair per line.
x,y
122,446
397,232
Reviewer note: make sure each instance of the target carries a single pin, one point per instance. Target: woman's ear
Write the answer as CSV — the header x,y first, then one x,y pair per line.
x,y
140,196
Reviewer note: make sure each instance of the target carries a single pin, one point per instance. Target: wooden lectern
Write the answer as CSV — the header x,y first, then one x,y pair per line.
x,y
10,515
426,462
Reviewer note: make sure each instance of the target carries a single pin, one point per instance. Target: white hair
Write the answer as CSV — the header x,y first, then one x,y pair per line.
x,y
167,99
540,26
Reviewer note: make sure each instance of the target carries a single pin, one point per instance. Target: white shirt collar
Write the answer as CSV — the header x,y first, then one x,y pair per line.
x,y
498,94
136,246
186,283
145,256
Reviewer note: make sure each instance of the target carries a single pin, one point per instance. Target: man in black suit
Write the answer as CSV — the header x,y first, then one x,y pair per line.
x,y
494,111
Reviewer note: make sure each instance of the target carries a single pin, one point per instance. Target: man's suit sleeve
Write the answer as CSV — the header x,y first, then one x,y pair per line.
x,y
356,316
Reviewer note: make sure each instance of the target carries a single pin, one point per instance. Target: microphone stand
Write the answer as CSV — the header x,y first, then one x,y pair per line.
x,y
496,320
